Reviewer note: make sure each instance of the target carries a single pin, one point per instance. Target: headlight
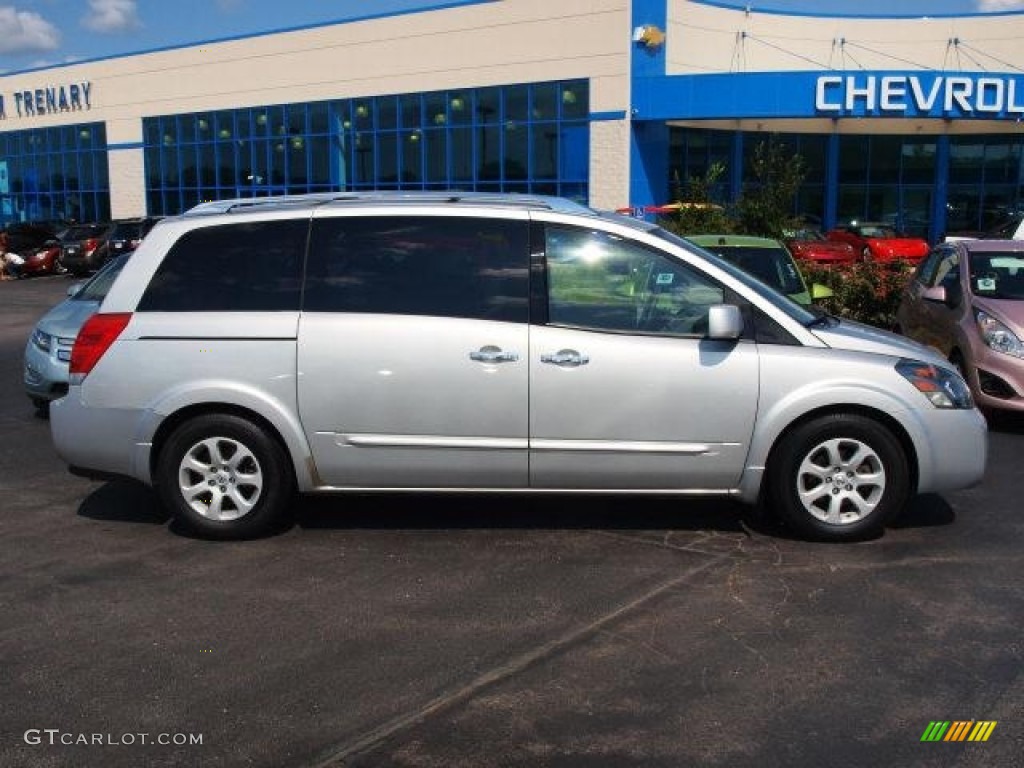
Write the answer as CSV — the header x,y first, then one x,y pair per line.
x,y
41,340
997,336
943,388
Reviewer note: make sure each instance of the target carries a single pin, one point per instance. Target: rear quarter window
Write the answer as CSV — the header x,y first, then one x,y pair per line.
x,y
252,266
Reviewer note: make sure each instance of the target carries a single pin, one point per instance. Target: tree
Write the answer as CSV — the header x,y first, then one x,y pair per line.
x,y
765,207
698,213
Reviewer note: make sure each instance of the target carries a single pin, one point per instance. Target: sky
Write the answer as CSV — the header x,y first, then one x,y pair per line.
x,y
40,33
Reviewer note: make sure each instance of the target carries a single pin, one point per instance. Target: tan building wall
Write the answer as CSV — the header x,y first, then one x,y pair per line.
x,y
703,38
511,41
127,188
609,164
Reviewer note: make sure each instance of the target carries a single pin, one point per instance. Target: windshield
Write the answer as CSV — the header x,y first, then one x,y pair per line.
x,y
804,234
874,230
83,232
769,294
772,266
96,289
127,231
998,275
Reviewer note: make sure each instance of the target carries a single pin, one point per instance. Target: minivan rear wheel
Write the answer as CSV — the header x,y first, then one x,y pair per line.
x,y
838,477
224,477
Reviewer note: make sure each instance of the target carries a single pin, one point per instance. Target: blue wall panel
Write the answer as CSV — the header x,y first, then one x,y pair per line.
x,y
755,95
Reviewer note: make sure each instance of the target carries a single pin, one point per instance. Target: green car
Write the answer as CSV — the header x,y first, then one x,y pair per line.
x,y
766,259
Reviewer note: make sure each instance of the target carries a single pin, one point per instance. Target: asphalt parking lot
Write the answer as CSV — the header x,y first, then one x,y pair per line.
x,y
479,631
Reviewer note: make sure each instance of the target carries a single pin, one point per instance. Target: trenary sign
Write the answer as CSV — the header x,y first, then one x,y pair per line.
x,y
50,100
932,95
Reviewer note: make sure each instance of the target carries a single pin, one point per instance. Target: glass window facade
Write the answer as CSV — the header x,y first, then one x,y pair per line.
x,y
985,181
515,138
923,185
54,173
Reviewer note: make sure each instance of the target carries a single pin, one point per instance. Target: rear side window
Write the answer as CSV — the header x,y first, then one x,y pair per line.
x,y
420,265
231,268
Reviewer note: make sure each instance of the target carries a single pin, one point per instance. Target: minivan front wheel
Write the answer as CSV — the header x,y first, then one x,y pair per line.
x,y
223,476
838,477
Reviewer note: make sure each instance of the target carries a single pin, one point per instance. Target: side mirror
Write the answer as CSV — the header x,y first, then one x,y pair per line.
x,y
939,294
819,291
954,295
725,323
74,290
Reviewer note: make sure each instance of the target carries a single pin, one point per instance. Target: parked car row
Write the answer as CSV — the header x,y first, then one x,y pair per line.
x,y
44,248
48,351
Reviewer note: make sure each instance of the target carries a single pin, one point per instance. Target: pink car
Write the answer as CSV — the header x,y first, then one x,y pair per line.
x,y
967,300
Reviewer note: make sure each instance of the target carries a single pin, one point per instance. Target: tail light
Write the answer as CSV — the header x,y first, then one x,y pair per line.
x,y
90,245
95,338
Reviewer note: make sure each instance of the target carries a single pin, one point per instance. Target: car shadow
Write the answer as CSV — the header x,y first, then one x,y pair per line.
x,y
929,510
1009,422
410,511
126,501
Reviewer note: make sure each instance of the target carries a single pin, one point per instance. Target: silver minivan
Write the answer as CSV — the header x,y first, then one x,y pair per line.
x,y
451,342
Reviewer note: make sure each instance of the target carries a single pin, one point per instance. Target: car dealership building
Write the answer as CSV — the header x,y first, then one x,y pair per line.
x,y
916,121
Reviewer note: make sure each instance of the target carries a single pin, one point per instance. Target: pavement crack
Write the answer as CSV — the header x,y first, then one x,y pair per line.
x,y
514,666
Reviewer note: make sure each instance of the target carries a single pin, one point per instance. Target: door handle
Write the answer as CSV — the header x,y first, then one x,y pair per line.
x,y
492,354
565,358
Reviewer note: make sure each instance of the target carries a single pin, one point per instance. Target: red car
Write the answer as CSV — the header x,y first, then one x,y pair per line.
x,y
44,260
875,241
812,245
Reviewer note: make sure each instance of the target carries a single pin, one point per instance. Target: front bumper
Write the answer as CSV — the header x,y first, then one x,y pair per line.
x,y
997,380
45,374
954,452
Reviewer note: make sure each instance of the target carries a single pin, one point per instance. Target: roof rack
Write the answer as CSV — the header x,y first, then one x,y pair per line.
x,y
454,197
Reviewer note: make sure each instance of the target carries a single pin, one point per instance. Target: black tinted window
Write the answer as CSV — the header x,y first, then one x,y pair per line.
x,y
405,265
231,268
127,230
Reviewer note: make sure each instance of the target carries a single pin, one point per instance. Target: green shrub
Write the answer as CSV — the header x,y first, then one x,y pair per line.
x,y
699,213
866,292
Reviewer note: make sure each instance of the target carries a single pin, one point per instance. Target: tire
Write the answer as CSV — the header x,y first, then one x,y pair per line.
x,y
839,477
223,477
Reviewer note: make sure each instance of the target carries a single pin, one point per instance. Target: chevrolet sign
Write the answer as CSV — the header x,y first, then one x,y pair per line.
x,y
940,95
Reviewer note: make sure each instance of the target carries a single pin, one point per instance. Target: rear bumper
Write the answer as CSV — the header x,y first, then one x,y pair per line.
x,y
98,442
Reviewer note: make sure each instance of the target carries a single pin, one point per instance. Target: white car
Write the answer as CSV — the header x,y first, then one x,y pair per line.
x,y
454,342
